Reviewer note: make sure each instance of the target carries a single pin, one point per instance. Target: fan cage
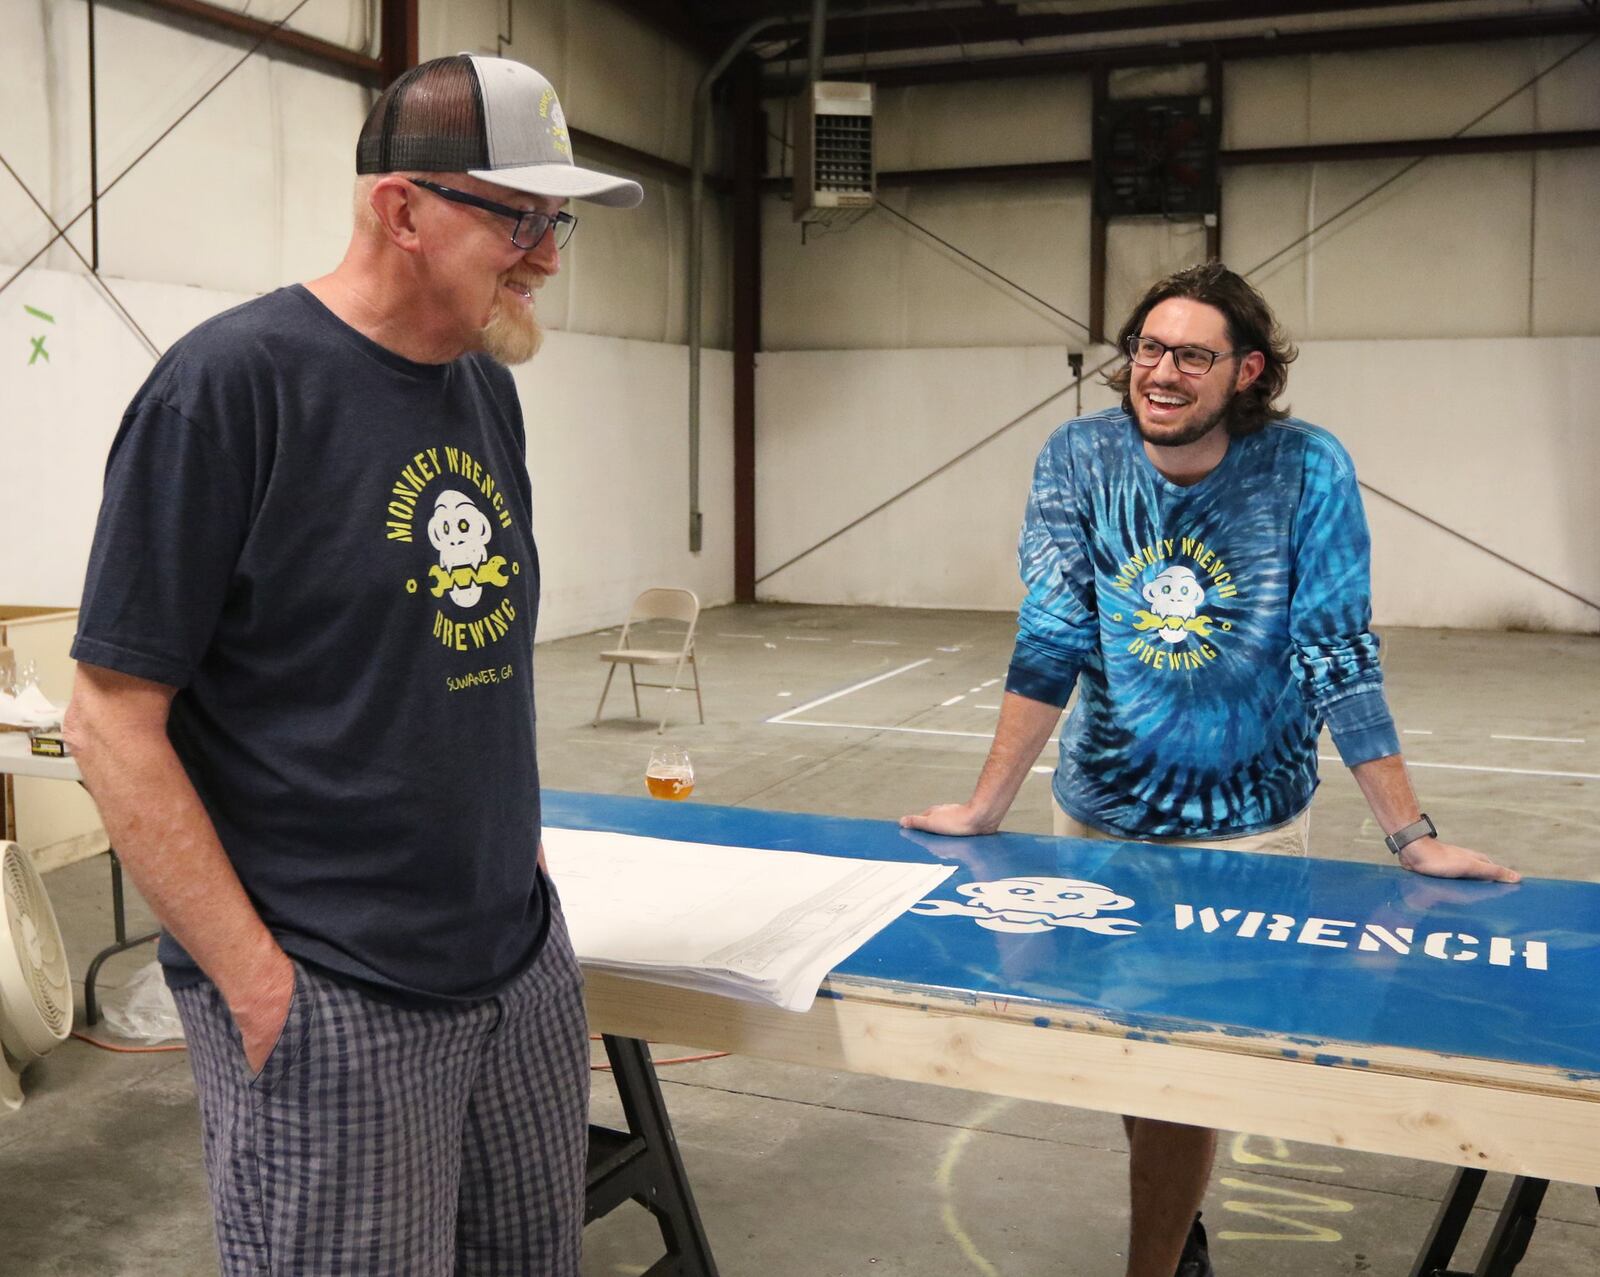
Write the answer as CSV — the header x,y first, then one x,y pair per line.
x,y
45,1017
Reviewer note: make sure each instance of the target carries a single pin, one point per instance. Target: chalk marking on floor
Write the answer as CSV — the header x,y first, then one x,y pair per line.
x,y
985,707
990,683
1415,731
845,691
1473,767
950,649
725,634
1283,1211
954,700
1548,740
943,1178
876,642
1043,771
805,638
783,720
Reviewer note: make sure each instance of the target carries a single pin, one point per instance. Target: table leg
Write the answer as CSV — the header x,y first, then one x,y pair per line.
x,y
119,923
643,1164
1507,1244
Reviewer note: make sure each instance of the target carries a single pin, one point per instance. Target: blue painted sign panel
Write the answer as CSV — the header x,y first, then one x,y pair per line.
x,y
1164,939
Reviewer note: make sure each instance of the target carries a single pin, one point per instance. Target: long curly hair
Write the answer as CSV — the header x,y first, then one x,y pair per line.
x,y
1251,326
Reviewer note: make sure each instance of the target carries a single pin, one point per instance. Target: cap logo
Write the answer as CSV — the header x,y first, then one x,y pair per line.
x,y
558,126
545,99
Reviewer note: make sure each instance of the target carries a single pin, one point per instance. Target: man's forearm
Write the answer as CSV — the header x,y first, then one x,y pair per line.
x,y
1025,725
1386,785
170,848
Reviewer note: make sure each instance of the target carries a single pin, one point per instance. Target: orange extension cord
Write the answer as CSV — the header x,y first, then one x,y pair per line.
x,y
126,1050
677,1059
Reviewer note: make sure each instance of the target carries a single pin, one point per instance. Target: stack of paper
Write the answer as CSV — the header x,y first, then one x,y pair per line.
x,y
766,926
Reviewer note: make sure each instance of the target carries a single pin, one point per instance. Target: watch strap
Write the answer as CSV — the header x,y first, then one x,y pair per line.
x,y
1403,838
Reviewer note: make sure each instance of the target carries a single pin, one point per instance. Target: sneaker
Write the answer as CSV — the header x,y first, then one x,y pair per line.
x,y
1196,1258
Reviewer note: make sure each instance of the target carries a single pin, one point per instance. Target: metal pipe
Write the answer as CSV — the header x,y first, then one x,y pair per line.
x,y
819,31
697,168
94,162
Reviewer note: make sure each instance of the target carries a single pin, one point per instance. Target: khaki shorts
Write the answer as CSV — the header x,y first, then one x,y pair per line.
x,y
1292,838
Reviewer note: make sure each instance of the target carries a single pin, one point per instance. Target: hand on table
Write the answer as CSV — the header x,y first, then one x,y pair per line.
x,y
1438,859
951,818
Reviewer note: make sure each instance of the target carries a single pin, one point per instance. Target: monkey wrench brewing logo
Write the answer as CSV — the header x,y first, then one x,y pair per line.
x,y
1184,588
461,508
1038,905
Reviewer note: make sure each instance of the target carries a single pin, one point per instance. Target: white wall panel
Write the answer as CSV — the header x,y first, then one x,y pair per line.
x,y
1141,250
608,452
1462,246
1490,438
61,414
881,283
283,139
1419,92
838,290
1028,232
1565,242
840,431
1569,97
1487,437
1444,250
1265,103
1262,210
23,92
982,122
467,26
607,444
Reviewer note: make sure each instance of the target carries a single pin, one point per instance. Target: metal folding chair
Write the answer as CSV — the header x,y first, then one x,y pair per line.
x,y
656,605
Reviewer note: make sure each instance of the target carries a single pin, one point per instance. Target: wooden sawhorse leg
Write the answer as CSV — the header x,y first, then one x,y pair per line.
x,y
642,1164
1507,1244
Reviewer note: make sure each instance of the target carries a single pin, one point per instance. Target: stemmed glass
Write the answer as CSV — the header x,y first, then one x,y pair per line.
x,y
670,774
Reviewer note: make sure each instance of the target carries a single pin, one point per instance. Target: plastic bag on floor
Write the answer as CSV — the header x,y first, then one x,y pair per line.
x,y
143,1009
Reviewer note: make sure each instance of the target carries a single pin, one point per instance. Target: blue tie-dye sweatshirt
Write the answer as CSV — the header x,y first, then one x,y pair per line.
x,y
1210,629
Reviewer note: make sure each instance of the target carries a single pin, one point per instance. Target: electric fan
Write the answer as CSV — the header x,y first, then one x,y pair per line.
x,y
35,987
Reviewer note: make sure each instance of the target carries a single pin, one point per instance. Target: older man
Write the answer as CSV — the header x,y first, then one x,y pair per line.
x,y
305,708
1197,565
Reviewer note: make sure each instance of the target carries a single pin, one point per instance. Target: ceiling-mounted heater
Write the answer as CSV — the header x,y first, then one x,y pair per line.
x,y
834,182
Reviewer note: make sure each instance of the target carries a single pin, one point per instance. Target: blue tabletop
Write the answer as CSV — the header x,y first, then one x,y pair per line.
x,y
1161,940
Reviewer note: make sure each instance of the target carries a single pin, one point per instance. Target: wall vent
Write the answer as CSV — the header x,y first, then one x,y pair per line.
x,y
834,182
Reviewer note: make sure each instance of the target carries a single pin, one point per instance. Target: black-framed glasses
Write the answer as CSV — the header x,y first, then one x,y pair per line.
x,y
531,227
1197,361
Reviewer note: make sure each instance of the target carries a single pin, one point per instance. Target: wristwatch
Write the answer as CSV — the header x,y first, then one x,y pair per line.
x,y
1403,838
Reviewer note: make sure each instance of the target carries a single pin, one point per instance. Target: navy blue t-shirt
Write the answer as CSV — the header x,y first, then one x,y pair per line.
x,y
326,548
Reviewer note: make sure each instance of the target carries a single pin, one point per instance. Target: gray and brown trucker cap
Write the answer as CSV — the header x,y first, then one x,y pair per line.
x,y
494,118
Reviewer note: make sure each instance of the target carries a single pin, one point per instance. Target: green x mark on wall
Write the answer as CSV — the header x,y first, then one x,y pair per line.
x,y
39,352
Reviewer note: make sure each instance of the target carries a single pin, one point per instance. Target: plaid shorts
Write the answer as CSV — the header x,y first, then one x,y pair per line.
x,y
418,1142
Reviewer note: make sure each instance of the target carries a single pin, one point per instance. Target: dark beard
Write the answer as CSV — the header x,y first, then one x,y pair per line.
x,y
1192,434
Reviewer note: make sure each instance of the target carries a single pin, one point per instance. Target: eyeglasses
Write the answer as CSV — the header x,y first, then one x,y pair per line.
x,y
1196,361
531,227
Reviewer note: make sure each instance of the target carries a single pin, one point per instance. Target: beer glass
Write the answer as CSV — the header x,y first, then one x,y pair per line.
x,y
670,774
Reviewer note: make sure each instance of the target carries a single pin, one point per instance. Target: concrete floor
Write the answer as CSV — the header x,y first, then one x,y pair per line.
x,y
800,1171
